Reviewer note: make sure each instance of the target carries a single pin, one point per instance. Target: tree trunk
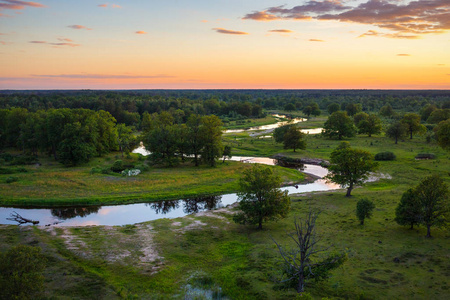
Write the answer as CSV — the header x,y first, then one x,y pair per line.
x,y
396,139
349,190
410,134
412,226
196,160
428,231
301,283
260,224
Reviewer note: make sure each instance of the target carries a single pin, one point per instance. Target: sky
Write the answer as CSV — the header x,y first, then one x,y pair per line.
x,y
225,44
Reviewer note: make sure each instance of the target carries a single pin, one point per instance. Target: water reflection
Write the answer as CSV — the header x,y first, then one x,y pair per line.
x,y
164,207
73,212
194,205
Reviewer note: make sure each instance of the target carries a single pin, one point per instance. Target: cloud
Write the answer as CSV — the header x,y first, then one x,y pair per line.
x,y
403,54
405,20
64,42
316,40
79,27
16,4
112,5
396,35
281,31
226,31
102,5
140,32
116,6
3,43
102,76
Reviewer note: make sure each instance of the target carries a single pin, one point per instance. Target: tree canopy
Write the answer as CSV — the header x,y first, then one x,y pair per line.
x,y
350,167
260,198
339,125
443,134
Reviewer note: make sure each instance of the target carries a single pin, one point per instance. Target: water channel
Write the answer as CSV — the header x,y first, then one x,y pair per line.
x,y
142,212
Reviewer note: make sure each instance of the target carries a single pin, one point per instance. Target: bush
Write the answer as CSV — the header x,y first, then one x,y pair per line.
x,y
24,160
425,156
118,166
11,179
385,156
96,170
364,209
21,271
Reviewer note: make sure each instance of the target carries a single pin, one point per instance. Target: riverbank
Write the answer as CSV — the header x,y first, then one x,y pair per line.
x,y
50,184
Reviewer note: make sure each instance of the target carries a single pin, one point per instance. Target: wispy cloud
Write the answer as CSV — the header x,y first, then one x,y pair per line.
x,y
403,54
316,40
79,27
105,5
281,31
396,35
405,20
63,42
102,76
227,31
116,6
17,5
140,32
102,5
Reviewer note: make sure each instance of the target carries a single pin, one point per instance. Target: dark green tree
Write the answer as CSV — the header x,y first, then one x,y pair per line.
x,y
226,153
211,133
442,132
359,117
426,111
353,108
333,107
339,125
370,125
260,197
194,139
278,133
364,209
75,146
125,138
396,131
21,270
350,167
433,196
409,209
387,111
290,107
306,260
293,139
412,123
439,115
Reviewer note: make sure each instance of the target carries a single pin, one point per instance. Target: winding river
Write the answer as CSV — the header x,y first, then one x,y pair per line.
x,y
141,212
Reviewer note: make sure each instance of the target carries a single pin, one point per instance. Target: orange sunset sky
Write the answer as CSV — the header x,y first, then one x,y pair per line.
x,y
132,44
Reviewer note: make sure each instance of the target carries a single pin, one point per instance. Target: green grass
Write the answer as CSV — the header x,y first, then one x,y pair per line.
x,y
52,184
251,123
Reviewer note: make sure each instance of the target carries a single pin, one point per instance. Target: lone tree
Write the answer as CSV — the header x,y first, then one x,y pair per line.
x,y
226,153
364,209
370,125
396,130
339,125
278,133
302,261
433,196
350,167
293,139
260,198
409,209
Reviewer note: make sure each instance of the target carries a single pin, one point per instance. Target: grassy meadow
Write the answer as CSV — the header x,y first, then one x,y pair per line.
x,y
208,256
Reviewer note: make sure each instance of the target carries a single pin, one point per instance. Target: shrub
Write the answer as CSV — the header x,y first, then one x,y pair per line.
x,y
143,167
118,166
24,160
425,156
11,179
106,170
96,170
364,209
385,156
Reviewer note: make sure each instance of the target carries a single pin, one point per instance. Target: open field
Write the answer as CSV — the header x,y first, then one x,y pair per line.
x,y
53,184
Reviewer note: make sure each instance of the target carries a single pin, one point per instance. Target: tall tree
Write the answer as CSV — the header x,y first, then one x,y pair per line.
x,y
396,131
350,167
333,107
293,139
211,132
353,108
260,197
443,134
409,209
125,138
364,209
412,122
433,195
339,125
194,139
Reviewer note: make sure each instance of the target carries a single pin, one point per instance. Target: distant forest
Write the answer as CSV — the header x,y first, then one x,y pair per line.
x,y
128,106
